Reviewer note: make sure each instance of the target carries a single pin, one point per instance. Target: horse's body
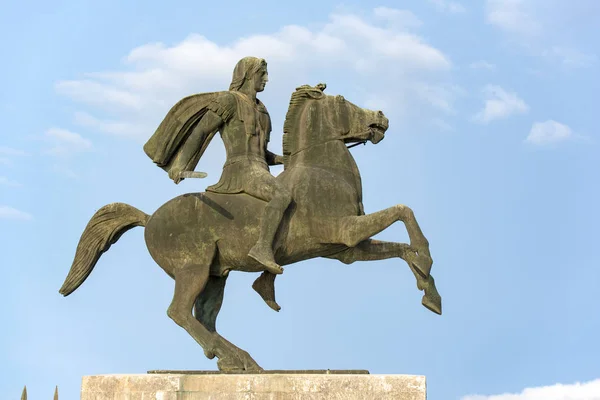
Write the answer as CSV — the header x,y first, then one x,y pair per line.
x,y
168,233
198,238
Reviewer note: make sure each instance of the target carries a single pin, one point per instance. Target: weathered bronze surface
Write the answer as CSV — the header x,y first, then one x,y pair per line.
x,y
251,221
268,371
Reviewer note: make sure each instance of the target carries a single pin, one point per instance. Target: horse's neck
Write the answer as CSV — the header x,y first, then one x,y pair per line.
x,y
331,155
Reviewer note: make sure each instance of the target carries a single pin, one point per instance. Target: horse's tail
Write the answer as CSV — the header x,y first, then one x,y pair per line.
x,y
104,229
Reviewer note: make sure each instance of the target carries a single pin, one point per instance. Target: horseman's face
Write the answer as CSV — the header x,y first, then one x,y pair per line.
x,y
260,79
359,124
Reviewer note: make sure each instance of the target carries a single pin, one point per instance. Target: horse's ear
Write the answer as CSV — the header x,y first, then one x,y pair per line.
x,y
303,87
309,92
319,86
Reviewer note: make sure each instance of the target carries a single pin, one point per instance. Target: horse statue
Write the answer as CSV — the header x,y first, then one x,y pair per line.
x,y
198,238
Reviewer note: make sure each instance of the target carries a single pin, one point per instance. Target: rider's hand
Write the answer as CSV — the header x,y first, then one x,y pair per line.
x,y
175,175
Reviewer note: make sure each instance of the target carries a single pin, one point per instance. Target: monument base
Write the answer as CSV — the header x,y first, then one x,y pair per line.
x,y
266,386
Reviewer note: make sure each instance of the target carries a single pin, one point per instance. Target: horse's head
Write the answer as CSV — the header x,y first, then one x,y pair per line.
x,y
315,117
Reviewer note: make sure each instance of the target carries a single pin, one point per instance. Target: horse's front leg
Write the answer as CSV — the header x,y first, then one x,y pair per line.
x,y
352,230
371,250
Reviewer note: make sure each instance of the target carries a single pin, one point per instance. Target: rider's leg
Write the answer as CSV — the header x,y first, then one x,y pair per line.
x,y
263,249
267,188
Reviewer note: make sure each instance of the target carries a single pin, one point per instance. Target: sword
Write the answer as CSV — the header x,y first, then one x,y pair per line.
x,y
192,174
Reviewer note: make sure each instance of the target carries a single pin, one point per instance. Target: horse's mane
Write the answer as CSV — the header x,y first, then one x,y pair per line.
x,y
297,103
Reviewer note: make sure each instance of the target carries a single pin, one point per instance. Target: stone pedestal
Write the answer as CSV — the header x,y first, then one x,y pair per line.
x,y
275,386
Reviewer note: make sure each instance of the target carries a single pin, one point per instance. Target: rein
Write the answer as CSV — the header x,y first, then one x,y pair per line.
x,y
356,144
327,141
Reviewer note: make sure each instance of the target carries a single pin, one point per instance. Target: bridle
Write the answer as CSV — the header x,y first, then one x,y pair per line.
x,y
356,144
327,141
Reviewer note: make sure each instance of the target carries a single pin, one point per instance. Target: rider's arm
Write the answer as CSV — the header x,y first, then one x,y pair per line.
x,y
210,123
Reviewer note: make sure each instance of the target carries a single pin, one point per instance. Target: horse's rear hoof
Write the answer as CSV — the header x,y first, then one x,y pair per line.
x,y
432,303
209,354
238,363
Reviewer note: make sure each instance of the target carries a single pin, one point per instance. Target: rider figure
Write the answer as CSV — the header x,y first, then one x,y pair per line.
x,y
245,128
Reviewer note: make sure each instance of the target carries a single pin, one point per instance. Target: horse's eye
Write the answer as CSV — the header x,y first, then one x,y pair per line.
x,y
340,98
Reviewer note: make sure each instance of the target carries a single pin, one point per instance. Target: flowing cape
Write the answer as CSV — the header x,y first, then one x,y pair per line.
x,y
166,143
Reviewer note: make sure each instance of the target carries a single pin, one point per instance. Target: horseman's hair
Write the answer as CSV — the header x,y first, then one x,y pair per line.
x,y
245,68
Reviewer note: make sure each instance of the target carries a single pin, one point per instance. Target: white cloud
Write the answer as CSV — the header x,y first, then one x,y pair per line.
x,y
66,142
400,18
448,6
441,125
377,102
512,16
132,100
548,132
541,28
7,182
576,391
6,154
12,213
96,93
439,96
500,104
65,171
482,64
9,151
119,128
570,57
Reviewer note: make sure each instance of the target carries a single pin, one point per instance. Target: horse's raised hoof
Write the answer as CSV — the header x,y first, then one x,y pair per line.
x,y
432,299
238,362
432,303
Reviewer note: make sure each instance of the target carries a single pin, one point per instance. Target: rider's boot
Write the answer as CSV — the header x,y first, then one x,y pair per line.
x,y
263,249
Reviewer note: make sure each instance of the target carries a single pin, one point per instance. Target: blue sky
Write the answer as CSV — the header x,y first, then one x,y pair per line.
x,y
492,142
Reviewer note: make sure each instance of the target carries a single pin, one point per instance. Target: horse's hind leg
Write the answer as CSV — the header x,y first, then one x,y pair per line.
x,y
208,303
207,307
190,283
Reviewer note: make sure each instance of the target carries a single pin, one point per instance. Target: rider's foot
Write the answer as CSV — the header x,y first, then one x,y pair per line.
x,y
264,255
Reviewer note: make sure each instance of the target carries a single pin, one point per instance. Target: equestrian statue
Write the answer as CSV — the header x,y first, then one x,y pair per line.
x,y
250,220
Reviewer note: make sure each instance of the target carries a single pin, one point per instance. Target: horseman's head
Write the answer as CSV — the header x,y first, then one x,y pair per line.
x,y
250,71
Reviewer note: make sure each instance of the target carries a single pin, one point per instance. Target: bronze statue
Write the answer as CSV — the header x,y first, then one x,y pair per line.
x,y
245,127
198,238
